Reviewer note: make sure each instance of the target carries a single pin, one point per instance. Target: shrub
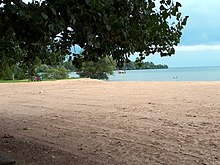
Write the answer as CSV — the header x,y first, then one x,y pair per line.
x,y
56,73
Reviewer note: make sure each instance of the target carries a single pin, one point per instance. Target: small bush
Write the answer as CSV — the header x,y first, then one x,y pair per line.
x,y
100,69
56,73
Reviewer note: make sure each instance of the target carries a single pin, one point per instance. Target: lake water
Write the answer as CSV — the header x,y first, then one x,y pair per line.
x,y
171,74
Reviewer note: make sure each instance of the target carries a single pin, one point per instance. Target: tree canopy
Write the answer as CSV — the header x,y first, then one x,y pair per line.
x,y
143,65
100,69
117,28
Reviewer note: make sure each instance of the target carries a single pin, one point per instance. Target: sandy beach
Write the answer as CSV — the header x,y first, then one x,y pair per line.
x,y
91,122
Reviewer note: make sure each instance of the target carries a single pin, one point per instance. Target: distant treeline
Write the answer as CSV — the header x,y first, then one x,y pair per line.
x,y
144,65
16,72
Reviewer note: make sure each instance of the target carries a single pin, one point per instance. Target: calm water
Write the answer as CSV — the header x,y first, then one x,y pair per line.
x,y
171,74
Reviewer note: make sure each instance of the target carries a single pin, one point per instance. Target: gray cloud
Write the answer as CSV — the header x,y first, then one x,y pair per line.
x,y
203,25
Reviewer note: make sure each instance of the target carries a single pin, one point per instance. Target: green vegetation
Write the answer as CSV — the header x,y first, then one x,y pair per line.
x,y
13,81
13,72
100,69
55,73
45,71
48,29
143,65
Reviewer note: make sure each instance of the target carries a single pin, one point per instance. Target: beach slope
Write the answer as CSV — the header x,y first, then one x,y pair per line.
x,y
96,122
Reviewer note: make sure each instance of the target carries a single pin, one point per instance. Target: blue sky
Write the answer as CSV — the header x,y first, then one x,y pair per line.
x,y
200,42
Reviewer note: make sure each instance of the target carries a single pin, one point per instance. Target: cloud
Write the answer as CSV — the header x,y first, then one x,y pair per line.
x,y
202,26
193,48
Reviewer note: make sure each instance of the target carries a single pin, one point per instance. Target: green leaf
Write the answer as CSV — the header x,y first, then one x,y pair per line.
x,y
52,28
172,51
89,43
174,11
162,1
97,45
87,2
168,2
165,15
44,15
152,5
108,27
54,11
178,16
22,4
178,4
185,20
73,20
162,7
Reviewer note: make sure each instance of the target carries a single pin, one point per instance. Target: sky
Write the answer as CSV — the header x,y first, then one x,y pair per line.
x,y
200,42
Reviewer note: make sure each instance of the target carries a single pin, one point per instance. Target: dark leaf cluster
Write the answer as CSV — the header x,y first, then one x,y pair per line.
x,y
116,28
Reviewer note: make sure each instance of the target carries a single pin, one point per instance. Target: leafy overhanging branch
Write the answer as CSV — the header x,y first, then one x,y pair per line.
x,y
116,28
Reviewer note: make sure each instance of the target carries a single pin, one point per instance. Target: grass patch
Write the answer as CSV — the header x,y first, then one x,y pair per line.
x,y
27,80
14,81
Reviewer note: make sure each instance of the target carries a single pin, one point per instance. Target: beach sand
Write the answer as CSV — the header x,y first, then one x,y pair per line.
x,y
87,122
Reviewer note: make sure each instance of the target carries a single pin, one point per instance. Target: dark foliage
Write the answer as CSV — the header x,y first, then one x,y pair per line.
x,y
116,28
